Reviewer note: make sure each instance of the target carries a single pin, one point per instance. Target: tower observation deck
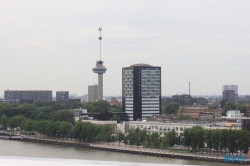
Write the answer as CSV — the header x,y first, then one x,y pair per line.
x,y
100,70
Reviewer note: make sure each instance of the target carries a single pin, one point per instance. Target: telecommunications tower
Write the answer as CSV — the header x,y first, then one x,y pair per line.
x,y
100,70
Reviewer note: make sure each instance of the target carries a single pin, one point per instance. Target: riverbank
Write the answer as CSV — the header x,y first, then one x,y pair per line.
x,y
114,147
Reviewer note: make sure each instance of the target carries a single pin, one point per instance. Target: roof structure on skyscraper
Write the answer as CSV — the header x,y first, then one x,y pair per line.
x,y
139,64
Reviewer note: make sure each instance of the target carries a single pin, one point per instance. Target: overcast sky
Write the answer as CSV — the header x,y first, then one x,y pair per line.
x,y
53,44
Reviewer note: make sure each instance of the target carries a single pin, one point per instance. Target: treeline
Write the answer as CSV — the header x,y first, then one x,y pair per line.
x,y
84,131
48,110
198,139
37,111
140,137
222,140
16,121
229,105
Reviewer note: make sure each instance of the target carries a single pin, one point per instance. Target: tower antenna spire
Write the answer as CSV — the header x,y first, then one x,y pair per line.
x,y
100,38
100,70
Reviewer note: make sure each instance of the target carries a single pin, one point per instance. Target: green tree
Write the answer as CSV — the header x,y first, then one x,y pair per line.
x,y
187,137
208,139
15,121
77,130
184,117
106,133
64,116
56,106
224,139
45,104
132,136
5,109
230,105
232,140
76,105
222,103
116,118
143,136
27,125
25,109
169,139
4,121
155,139
171,108
64,129
89,106
49,128
104,105
242,107
40,126
243,140
120,136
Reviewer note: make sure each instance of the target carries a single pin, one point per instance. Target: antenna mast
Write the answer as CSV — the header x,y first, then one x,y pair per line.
x,y
100,38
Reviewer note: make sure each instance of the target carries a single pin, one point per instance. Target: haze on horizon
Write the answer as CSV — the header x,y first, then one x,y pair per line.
x,y
53,45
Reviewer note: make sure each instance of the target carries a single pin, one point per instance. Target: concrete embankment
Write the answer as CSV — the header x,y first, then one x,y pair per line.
x,y
141,151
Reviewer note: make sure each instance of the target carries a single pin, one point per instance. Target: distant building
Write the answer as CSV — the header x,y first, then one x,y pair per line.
x,y
85,97
71,101
123,127
78,112
213,104
246,98
228,94
234,114
11,102
113,101
28,95
92,93
200,101
183,99
245,121
72,96
206,116
166,100
62,97
193,111
141,91
218,113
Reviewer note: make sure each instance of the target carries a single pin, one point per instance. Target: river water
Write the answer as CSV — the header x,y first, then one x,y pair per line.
x,y
16,149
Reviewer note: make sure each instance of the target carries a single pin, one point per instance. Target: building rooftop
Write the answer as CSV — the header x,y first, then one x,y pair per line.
x,y
139,64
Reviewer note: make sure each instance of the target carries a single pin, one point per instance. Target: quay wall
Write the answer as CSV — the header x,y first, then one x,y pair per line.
x,y
124,150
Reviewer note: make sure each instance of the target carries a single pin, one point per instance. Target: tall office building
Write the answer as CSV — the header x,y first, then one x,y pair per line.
x,y
28,96
100,70
227,93
92,93
62,97
141,91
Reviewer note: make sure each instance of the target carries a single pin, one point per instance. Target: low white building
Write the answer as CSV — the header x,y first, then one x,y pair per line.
x,y
163,127
78,112
234,114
